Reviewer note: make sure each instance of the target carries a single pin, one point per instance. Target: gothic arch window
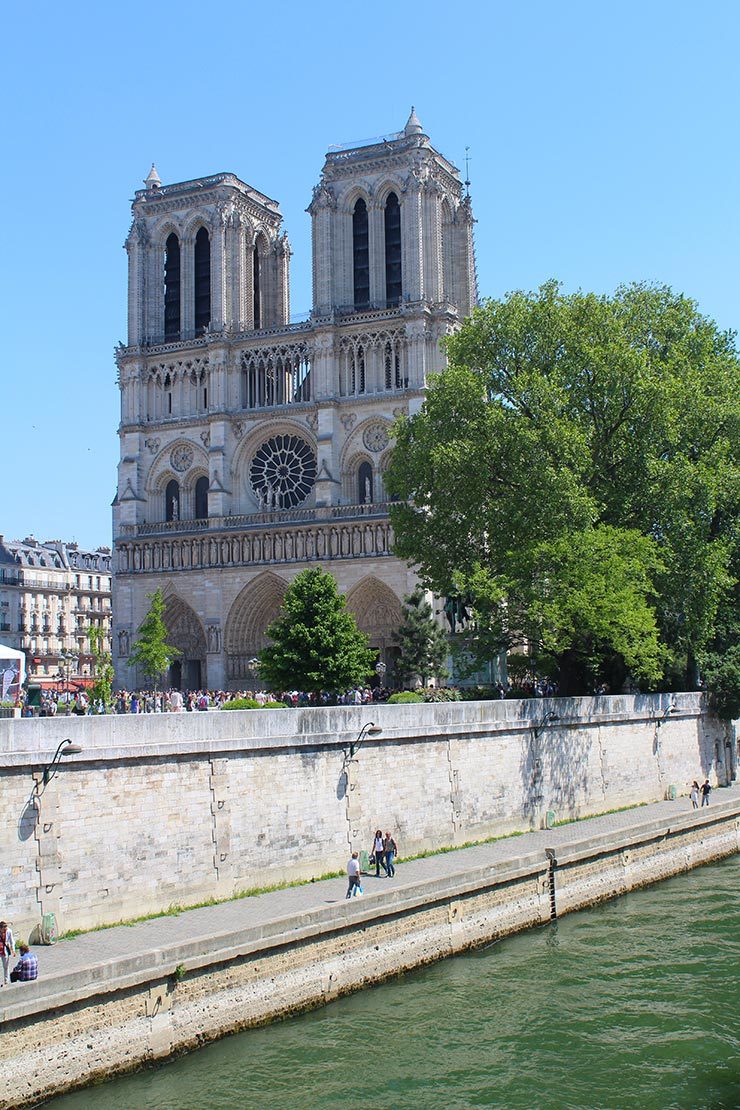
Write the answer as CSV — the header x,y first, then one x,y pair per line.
x,y
172,287
256,286
392,250
202,280
361,254
447,252
201,499
172,500
357,370
365,484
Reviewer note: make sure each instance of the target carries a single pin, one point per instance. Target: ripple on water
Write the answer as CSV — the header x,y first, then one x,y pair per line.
x,y
631,1005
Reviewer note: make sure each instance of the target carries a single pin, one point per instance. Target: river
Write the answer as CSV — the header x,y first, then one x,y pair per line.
x,y
634,1003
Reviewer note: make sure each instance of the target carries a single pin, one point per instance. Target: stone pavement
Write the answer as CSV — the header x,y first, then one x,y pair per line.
x,y
109,959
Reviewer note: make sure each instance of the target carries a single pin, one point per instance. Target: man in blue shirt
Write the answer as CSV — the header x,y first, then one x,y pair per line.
x,y
27,967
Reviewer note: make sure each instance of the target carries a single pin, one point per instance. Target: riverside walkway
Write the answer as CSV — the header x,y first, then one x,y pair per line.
x,y
115,958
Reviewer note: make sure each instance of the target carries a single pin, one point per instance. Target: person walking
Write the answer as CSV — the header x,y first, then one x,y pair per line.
x,y
390,851
353,874
378,853
7,949
706,790
694,794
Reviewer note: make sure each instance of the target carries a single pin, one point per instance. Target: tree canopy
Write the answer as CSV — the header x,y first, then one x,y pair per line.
x,y
151,651
423,644
575,472
316,644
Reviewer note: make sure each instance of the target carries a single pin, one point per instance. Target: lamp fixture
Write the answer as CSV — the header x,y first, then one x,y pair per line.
x,y
368,729
66,747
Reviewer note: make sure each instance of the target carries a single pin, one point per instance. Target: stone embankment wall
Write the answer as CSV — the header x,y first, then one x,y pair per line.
x,y
179,808
91,1024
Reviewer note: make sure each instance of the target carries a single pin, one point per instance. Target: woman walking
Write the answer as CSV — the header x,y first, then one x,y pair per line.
x,y
694,794
379,853
7,949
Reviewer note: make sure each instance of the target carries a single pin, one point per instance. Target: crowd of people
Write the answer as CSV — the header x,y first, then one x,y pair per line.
x,y
175,701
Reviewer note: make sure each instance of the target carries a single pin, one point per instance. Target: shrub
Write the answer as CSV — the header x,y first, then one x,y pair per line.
x,y
441,693
480,693
252,703
404,698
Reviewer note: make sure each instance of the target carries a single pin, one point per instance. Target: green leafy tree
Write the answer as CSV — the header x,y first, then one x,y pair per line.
x,y
151,651
316,644
575,472
101,690
720,662
422,642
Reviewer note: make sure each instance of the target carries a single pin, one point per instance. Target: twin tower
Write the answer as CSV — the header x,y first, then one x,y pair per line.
x,y
251,447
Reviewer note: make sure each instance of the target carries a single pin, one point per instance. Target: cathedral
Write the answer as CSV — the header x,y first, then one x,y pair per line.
x,y
253,447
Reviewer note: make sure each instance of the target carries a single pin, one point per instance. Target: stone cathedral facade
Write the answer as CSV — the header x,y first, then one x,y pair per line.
x,y
252,447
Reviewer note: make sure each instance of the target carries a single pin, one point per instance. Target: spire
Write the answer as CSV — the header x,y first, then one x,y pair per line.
x,y
153,181
413,126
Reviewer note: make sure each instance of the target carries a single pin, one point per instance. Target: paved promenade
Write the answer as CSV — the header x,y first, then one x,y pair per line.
x,y
113,958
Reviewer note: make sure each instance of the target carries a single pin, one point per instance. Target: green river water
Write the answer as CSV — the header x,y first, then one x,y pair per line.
x,y
635,1003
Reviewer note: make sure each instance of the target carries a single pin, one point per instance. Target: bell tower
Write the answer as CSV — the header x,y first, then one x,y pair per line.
x,y
392,226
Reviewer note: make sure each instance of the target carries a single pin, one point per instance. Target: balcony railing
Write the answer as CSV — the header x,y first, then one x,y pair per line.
x,y
258,520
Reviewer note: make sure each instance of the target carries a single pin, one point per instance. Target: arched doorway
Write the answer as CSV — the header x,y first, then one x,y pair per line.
x,y
378,613
185,632
254,610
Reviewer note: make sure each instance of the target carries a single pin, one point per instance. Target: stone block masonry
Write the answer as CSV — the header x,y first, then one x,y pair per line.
x,y
110,1001
176,809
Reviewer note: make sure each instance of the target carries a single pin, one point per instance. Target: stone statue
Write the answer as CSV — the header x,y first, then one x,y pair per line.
x,y
368,491
123,643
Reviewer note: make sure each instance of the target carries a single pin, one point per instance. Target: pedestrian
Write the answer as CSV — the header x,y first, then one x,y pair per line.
x,y
390,851
27,967
353,873
7,949
378,853
694,794
706,790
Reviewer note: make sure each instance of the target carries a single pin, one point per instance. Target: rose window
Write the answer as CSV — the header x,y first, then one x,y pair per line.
x,y
283,472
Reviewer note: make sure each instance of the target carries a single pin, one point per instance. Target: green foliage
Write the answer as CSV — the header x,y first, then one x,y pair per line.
x,y
479,693
151,651
101,690
252,703
405,697
440,693
422,643
575,472
316,644
720,663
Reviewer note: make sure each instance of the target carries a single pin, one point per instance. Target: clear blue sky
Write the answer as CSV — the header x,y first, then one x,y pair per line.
x,y
603,140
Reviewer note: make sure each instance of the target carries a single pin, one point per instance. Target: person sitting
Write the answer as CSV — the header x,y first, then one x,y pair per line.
x,y
27,967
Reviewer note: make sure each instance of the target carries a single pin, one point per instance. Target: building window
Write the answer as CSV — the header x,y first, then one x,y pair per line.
x,y
256,288
392,249
365,484
361,254
201,499
202,280
172,287
172,500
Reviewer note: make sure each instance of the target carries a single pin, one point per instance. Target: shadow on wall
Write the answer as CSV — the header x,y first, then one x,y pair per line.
x,y
28,818
554,761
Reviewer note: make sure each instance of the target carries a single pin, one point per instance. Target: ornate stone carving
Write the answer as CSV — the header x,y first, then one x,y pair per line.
x,y
313,421
213,632
152,444
124,649
349,420
375,437
238,428
181,457
205,438
282,472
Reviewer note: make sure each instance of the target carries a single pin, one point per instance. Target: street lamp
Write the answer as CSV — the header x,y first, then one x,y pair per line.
x,y
65,748
368,729
380,669
67,665
252,665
